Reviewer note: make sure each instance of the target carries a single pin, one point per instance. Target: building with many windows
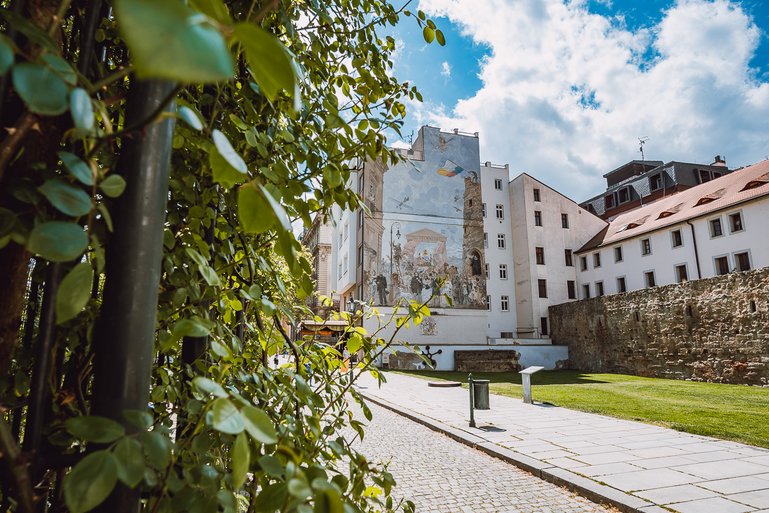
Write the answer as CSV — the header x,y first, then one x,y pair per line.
x,y
490,255
717,227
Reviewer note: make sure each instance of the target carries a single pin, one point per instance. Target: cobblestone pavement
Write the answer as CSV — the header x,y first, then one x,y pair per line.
x,y
441,475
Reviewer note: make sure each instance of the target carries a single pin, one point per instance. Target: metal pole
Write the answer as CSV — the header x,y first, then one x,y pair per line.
x,y
125,330
472,400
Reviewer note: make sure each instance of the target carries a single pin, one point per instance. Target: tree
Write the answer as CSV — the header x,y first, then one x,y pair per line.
x,y
158,152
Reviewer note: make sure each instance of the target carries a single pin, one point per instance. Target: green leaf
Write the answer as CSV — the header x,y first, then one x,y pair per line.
x,y
42,90
138,418
6,55
299,488
253,210
67,198
328,501
440,38
190,117
428,33
226,150
227,418
90,482
271,64
271,498
74,292
60,67
81,109
208,386
91,428
204,268
157,447
77,167
241,460
223,172
58,241
113,186
259,425
271,465
169,40
213,8
130,461
192,327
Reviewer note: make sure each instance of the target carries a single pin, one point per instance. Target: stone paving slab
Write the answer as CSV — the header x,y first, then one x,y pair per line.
x,y
635,466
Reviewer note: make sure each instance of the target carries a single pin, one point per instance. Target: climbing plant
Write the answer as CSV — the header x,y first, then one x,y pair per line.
x,y
156,159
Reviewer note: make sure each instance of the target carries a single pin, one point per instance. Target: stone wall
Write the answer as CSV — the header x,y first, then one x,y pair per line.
x,y
487,361
715,329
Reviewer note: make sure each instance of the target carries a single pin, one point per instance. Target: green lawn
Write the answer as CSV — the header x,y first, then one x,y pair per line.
x,y
731,412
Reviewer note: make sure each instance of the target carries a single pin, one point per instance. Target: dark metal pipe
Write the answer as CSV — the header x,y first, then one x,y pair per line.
x,y
125,331
696,253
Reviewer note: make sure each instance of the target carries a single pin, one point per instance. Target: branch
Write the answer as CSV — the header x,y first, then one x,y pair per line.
x,y
10,145
11,455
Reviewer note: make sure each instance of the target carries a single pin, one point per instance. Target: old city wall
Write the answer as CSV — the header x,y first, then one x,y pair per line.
x,y
715,329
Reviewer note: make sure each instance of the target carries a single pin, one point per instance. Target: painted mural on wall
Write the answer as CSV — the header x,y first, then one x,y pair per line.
x,y
424,236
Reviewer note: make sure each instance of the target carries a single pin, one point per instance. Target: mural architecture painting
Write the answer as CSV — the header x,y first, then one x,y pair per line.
x,y
424,235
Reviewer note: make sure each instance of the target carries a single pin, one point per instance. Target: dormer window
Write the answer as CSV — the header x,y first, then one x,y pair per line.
x,y
710,197
655,182
756,182
670,211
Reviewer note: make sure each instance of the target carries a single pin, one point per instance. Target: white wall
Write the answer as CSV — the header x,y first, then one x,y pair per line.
x,y
527,236
452,326
344,248
498,321
546,356
664,257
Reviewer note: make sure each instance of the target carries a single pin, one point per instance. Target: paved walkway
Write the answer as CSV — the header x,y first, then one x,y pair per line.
x,y
636,466
441,475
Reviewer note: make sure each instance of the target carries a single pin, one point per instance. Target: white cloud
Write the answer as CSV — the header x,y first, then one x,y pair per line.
x,y
446,69
566,94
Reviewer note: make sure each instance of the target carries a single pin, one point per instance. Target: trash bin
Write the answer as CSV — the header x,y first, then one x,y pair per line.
x,y
481,394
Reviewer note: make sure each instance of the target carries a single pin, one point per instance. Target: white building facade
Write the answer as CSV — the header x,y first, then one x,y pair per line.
x,y
712,229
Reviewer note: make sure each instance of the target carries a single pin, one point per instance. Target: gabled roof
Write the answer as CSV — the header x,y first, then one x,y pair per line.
x,y
742,185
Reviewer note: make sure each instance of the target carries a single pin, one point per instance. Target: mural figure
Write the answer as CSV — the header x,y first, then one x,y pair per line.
x,y
381,286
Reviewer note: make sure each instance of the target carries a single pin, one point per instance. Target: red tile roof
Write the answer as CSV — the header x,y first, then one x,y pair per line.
x,y
730,189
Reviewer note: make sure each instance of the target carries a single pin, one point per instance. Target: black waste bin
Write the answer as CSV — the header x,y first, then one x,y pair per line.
x,y
481,394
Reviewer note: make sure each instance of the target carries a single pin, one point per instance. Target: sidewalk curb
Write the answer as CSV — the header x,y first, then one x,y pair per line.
x,y
561,477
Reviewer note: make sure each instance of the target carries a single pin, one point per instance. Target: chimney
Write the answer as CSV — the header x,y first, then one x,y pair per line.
x,y
718,161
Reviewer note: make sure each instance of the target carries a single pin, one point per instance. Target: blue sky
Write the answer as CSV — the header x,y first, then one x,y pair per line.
x,y
563,90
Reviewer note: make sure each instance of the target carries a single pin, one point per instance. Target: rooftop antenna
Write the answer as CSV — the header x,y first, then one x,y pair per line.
x,y
641,142
411,138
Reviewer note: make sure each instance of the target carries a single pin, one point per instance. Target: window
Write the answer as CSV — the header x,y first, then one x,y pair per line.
x,y
681,274
501,241
564,220
571,289
655,182
624,195
486,270
596,260
598,289
346,230
542,284
735,222
498,184
360,257
537,218
646,247
618,254
500,212
649,278
704,176
568,258
583,263
586,291
504,303
485,240
360,184
339,271
677,238
621,287
488,302
540,254
715,228
608,201
502,271
483,209
722,265
360,219
742,261
543,326
536,194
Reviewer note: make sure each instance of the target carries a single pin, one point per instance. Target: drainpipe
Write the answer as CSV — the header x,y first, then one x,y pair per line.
x,y
696,253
